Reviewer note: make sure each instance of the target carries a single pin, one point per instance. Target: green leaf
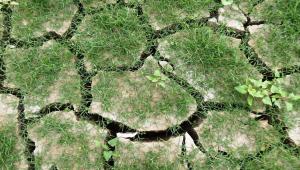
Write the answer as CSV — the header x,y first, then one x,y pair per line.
x,y
265,84
107,155
105,147
283,93
266,100
97,143
241,89
113,142
152,79
275,89
250,100
227,2
252,92
277,103
163,78
294,97
256,83
265,92
162,84
289,106
277,74
258,94
157,73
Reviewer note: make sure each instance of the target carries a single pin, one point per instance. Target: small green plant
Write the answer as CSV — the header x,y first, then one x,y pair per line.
x,y
269,92
158,78
107,153
8,2
227,2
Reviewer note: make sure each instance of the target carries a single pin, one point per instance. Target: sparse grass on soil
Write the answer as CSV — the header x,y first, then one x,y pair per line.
x,y
158,76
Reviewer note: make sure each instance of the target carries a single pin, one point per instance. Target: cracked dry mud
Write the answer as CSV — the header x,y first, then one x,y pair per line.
x,y
97,93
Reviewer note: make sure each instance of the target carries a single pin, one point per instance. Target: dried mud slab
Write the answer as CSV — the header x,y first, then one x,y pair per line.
x,y
212,63
261,37
63,141
110,41
158,155
46,74
165,13
131,98
33,18
12,146
232,17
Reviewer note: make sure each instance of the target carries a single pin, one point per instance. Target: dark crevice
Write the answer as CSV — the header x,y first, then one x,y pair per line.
x,y
184,84
53,107
282,128
174,28
53,167
36,41
251,157
196,139
216,106
2,69
22,126
7,12
85,78
76,21
184,154
254,60
288,71
151,50
103,122
273,118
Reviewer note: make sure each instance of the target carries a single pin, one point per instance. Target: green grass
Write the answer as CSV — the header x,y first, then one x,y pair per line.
x,y
9,155
168,11
42,71
224,129
209,61
32,18
137,156
71,145
133,97
280,46
112,37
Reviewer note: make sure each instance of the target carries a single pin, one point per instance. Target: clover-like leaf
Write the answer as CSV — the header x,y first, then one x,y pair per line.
x,y
97,143
277,74
113,142
152,79
277,103
250,100
241,89
157,73
265,84
258,94
252,91
294,97
105,147
256,83
162,84
275,89
267,100
107,155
